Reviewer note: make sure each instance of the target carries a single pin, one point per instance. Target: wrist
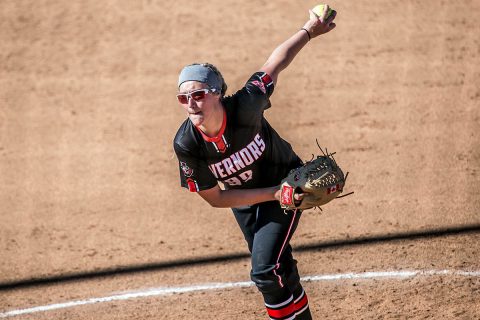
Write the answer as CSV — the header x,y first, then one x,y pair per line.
x,y
276,193
307,33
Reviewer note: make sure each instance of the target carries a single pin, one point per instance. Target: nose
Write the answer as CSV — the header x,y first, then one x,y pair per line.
x,y
191,103
190,107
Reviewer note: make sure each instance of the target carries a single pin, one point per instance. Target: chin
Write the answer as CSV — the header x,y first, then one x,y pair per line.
x,y
196,120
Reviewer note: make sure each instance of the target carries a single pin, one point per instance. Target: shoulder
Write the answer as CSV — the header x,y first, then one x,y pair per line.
x,y
254,94
260,83
186,140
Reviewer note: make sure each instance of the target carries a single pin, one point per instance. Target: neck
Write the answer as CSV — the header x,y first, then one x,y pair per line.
x,y
212,127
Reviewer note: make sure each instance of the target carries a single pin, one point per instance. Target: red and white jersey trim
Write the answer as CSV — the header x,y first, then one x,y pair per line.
x,y
192,185
266,79
219,141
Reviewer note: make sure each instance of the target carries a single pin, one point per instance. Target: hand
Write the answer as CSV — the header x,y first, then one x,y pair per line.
x,y
318,25
298,197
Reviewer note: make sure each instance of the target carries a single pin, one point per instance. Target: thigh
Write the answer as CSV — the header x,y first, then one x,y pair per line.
x,y
246,218
273,230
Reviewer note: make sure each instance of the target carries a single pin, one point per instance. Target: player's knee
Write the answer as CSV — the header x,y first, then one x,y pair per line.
x,y
293,278
268,280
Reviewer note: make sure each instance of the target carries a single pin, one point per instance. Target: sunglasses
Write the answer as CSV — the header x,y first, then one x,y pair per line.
x,y
196,95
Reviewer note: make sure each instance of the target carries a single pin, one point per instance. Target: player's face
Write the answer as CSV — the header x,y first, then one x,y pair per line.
x,y
200,105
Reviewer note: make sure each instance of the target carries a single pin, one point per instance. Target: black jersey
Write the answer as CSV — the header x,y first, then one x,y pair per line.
x,y
246,153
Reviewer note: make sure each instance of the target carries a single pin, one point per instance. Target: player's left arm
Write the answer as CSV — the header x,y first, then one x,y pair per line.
x,y
219,198
284,54
232,198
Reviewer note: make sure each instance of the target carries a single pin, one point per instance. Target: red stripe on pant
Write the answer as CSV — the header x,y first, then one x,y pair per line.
x,y
299,305
282,313
283,247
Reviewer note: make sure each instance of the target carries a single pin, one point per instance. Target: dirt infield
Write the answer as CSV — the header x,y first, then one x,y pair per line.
x,y
90,198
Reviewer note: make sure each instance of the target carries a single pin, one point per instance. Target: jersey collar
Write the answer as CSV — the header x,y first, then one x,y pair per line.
x,y
219,134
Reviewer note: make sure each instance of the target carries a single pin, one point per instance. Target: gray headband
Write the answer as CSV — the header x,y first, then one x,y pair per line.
x,y
200,73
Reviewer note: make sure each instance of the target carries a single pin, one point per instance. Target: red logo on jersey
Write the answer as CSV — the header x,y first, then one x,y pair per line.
x,y
187,171
287,195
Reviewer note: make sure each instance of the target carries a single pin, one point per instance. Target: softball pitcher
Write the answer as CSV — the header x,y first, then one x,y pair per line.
x,y
227,139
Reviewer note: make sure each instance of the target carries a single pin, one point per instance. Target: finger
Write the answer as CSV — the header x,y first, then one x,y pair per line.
x,y
299,196
331,26
331,17
297,199
324,13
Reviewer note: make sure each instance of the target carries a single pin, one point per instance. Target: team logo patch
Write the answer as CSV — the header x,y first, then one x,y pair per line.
x,y
287,195
187,171
333,189
260,85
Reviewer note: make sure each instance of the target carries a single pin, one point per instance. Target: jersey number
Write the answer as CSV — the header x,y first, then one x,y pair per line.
x,y
241,178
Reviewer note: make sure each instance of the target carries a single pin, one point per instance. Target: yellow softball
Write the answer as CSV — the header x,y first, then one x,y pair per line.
x,y
318,10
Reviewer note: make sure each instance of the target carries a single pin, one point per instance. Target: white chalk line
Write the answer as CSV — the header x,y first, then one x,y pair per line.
x,y
162,291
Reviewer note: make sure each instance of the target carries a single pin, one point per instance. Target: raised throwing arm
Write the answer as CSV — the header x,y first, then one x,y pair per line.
x,y
284,54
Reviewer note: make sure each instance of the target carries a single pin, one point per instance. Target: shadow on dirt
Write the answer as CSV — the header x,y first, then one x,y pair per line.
x,y
157,266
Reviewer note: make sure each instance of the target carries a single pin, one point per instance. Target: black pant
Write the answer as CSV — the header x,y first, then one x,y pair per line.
x,y
268,230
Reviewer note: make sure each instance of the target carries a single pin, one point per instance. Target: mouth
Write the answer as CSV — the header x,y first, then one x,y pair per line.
x,y
195,113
